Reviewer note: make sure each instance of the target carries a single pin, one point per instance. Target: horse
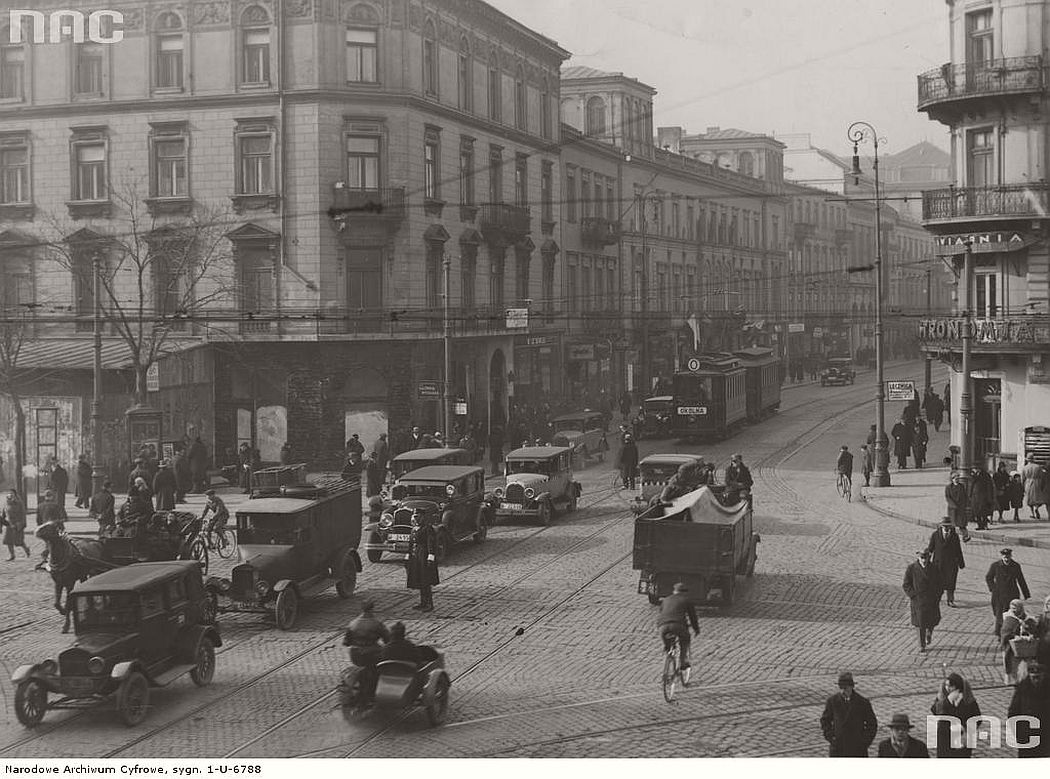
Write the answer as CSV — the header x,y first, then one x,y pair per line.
x,y
70,560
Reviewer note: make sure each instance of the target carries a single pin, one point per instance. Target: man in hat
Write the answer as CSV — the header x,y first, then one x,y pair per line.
x,y
675,609
1031,698
946,556
628,461
958,499
1005,582
363,635
901,743
165,487
354,445
923,586
103,507
849,723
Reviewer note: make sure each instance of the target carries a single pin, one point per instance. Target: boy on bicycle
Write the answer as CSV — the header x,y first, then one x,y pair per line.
x,y
220,514
674,610
844,465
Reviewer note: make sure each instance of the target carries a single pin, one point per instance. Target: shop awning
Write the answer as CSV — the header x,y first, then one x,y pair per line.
x,y
79,353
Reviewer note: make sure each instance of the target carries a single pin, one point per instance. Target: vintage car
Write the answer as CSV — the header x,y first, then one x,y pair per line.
x,y
654,417
839,370
453,496
539,483
654,471
420,458
584,433
399,686
139,626
292,547
696,540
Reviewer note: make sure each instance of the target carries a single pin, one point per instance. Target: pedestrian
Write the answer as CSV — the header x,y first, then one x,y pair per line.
x,y
911,409
922,585
421,565
625,405
1035,486
48,510
844,464
198,456
244,461
920,437
873,436
373,476
1001,482
867,464
13,520
981,497
1005,581
1015,494
848,722
1031,698
139,471
954,699
958,499
165,487
946,556
180,466
901,743
947,403
628,461
83,486
102,507
901,435
285,455
60,485
1042,634
496,449
354,466
354,445
934,409
382,450
1016,624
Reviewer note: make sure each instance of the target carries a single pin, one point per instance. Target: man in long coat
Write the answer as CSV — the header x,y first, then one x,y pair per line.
x,y
422,564
198,456
103,505
982,497
923,586
83,490
848,722
165,487
901,435
628,461
60,485
183,475
957,498
1005,582
947,556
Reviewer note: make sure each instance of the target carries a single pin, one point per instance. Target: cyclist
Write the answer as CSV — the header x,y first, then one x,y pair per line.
x,y
220,514
674,611
844,465
363,636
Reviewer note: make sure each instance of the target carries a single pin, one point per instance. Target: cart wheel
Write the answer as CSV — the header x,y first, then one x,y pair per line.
x,y
436,702
347,576
204,670
30,702
225,543
210,608
546,513
286,608
133,699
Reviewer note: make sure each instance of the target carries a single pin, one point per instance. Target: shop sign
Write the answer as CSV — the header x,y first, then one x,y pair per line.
x,y
153,378
428,390
900,390
535,340
797,327
986,331
517,318
981,243
581,352
459,408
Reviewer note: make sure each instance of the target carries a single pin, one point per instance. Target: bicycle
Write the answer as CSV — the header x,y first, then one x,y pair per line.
x,y
220,540
673,671
844,485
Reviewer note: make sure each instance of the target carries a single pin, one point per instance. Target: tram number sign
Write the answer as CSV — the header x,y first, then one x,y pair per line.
x,y
693,364
900,390
692,411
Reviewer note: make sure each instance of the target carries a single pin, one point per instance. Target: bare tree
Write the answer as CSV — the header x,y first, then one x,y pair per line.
x,y
158,274
16,381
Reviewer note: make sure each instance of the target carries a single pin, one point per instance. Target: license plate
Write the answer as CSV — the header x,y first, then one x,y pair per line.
x,y
243,605
643,586
78,686
692,411
512,506
399,537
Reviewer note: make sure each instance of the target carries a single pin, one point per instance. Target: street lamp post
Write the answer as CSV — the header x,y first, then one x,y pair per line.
x,y
446,395
857,132
98,472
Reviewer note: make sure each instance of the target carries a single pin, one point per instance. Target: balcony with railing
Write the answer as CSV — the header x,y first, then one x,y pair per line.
x,y
1012,201
353,206
504,224
599,231
949,86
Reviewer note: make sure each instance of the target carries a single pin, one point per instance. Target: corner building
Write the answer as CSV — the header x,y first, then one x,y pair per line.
x,y
993,95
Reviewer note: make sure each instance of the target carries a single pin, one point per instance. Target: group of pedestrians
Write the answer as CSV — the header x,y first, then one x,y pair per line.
x,y
986,494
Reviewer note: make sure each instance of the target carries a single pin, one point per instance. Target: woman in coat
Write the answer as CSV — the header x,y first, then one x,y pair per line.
x,y
1015,493
982,497
422,564
13,519
83,488
954,699
1001,480
1035,487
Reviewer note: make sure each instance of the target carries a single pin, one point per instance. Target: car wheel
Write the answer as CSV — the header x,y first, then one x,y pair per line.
x,y
204,669
546,513
210,607
30,702
133,699
286,609
347,581
436,702
444,543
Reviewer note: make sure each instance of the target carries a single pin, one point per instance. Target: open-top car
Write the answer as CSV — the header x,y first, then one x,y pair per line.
x,y
654,417
292,547
139,626
452,495
584,433
539,484
420,458
839,370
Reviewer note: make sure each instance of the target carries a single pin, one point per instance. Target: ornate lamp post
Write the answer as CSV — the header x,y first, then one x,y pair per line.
x,y
858,132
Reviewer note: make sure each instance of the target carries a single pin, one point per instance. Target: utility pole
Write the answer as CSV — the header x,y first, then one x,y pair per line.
x,y
927,374
98,473
447,339
646,378
966,396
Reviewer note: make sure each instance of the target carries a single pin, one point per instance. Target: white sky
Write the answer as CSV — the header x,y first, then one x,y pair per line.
x,y
770,66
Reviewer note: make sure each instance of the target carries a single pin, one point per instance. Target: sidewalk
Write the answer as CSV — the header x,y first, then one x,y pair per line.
x,y
917,496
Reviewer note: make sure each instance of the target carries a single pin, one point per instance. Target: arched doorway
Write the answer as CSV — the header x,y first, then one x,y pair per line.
x,y
365,409
497,390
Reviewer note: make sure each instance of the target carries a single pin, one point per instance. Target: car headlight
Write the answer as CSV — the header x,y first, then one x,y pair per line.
x,y
96,665
48,666
530,493
498,492
262,587
386,520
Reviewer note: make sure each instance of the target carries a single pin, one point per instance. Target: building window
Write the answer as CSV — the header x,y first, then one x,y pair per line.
x,y
364,279
430,63
570,194
256,277
466,172
89,170
522,277
675,223
521,180
170,263
547,191
585,194
12,68
520,101
362,55
495,90
610,202
465,77
747,163
980,38
572,283
496,278
986,295
468,275
169,61
980,158
255,46
586,291
362,162
87,78
14,171
434,256
595,120
431,165
495,175
83,285
598,209
545,109
169,167
255,153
